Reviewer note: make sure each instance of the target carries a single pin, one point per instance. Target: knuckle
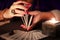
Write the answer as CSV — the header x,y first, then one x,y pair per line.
x,y
14,3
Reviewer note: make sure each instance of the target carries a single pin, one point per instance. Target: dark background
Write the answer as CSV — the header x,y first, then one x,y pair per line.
x,y
43,5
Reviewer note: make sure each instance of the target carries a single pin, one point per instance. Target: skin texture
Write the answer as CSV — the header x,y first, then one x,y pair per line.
x,y
19,13
41,15
37,14
29,1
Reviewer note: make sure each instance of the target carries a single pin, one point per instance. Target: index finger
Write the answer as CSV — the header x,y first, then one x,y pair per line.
x,y
18,2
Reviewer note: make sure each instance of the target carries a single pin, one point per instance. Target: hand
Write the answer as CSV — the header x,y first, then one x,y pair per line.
x,y
25,27
36,18
16,9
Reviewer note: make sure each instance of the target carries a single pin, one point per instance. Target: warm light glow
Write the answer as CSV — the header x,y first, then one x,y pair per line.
x,y
53,20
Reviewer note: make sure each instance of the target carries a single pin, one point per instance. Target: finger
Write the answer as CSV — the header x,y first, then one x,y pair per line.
x,y
36,19
29,28
18,2
31,13
23,26
19,7
34,13
18,15
19,12
22,3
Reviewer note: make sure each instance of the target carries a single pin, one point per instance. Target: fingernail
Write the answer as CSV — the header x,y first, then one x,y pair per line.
x,y
23,26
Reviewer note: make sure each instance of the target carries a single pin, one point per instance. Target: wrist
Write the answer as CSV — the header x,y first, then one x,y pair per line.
x,y
3,15
7,14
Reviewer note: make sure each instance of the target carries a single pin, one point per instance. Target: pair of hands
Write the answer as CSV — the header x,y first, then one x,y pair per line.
x,y
16,6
